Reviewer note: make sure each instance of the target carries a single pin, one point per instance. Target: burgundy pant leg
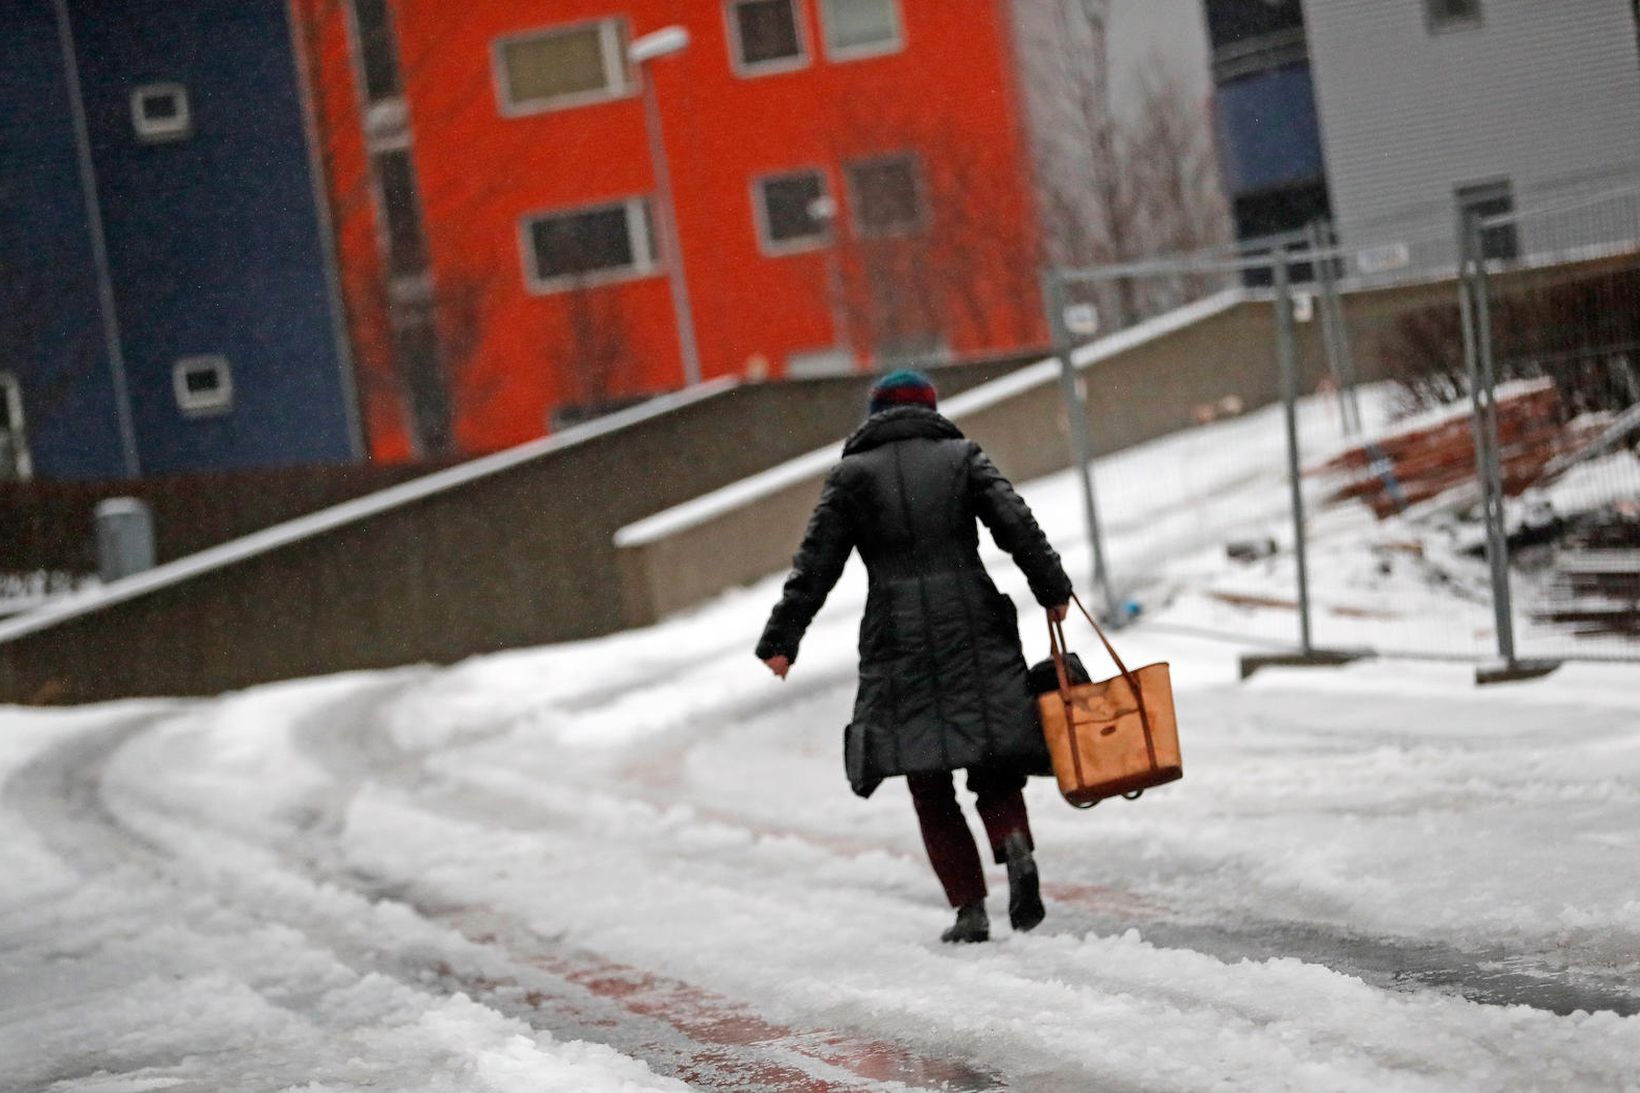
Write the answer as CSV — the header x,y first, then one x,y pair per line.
x,y
1001,805
945,833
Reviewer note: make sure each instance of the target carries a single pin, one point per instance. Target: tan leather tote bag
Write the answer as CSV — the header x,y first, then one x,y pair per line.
x,y
1110,738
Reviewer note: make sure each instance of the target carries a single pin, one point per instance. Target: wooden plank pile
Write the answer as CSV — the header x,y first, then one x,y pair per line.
x,y
1592,589
1394,472
1596,589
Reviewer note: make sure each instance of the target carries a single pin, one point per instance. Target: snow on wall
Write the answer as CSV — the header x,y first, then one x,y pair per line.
x,y
325,520
750,490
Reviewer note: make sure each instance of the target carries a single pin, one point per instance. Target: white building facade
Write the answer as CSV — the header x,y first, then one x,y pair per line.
x,y
1426,106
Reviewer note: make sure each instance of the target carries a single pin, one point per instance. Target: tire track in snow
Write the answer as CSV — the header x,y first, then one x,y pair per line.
x,y
731,1040
1401,965
678,1029
59,793
717,1041
1495,976
1492,976
657,774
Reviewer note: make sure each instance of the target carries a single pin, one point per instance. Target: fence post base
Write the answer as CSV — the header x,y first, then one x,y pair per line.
x,y
1315,658
1514,671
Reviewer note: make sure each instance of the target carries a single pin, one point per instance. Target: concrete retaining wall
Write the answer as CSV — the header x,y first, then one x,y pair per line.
x,y
509,550
1142,383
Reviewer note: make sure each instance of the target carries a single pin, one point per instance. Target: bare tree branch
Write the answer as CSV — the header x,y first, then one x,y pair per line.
x,y
1111,190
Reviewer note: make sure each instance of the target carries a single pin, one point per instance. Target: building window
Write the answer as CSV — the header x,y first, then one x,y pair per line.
x,y
861,28
589,245
766,36
14,454
886,196
11,404
1233,21
406,245
1486,201
1445,14
792,211
565,66
379,58
159,112
204,385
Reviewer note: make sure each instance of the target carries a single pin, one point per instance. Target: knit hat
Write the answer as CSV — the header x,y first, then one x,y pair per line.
x,y
902,388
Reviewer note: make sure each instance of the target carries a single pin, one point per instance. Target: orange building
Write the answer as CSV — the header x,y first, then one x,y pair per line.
x,y
849,180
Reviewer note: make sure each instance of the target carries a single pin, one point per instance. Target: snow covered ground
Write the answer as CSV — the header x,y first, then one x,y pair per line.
x,y
632,863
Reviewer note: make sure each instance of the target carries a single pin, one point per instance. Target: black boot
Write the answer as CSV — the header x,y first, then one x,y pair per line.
x,y
971,925
1025,910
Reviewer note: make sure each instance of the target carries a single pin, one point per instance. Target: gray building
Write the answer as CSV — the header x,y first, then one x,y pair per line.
x,y
1426,106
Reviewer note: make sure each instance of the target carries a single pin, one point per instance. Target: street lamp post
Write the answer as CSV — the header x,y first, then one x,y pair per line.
x,y
664,43
1060,317
823,211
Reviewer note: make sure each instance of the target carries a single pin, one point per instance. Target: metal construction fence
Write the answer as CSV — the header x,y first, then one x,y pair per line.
x,y
1564,331
1458,444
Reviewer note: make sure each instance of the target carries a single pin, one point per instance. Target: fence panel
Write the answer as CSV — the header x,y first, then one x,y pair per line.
x,y
1170,509
1564,320
1386,354
1391,464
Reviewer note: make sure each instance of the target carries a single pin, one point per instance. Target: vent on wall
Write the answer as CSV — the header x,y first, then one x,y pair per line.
x,y
204,385
159,112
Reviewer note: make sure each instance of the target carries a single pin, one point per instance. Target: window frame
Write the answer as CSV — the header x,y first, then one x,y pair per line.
x,y
15,429
1443,24
394,246
614,38
640,229
857,207
1467,195
161,131
365,44
755,69
11,395
194,404
862,53
770,247
386,114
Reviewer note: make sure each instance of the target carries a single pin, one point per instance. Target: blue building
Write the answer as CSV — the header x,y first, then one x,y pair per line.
x,y
1268,132
167,291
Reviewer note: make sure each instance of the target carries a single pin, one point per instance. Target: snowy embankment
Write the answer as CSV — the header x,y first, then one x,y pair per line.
x,y
623,863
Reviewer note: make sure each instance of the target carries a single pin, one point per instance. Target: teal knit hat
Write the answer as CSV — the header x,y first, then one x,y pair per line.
x,y
902,388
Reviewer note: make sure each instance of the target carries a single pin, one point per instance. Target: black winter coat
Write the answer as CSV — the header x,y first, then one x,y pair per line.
x,y
942,676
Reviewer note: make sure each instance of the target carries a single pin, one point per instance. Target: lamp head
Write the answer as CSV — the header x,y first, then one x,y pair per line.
x,y
658,43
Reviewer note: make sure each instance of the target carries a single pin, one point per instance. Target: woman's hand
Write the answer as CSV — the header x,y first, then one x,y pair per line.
x,y
779,665
1058,614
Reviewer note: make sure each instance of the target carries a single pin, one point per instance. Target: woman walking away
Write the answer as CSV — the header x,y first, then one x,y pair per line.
x,y
942,677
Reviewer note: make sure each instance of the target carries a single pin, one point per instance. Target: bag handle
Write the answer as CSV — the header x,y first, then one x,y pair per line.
x,y
1056,643
1059,648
